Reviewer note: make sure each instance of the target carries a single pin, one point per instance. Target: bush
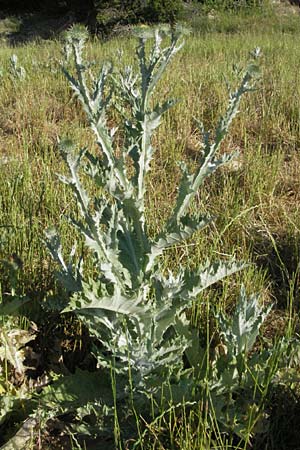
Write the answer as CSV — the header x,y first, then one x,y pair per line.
x,y
162,10
232,4
115,13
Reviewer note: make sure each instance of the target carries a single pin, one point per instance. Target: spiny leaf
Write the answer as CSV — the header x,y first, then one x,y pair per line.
x,y
75,390
208,275
12,347
241,331
93,300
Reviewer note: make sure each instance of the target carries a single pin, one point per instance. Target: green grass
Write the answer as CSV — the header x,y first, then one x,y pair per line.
x,y
256,202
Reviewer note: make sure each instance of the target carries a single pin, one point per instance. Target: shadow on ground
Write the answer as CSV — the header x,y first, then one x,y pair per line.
x,y
34,26
281,432
281,258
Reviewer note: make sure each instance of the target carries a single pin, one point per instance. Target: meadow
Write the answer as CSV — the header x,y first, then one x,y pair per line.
x,y
254,199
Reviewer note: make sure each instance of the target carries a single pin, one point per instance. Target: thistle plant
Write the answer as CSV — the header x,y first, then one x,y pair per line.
x,y
135,309
17,72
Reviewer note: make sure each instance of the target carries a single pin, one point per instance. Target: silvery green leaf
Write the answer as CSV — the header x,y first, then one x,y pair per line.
x,y
156,115
76,390
13,306
144,32
53,243
228,380
14,59
91,300
256,53
178,233
241,330
104,247
69,274
253,70
100,100
77,34
194,353
190,183
24,436
12,347
205,276
17,72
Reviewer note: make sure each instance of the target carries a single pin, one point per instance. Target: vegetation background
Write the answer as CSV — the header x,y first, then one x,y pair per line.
x,y
255,199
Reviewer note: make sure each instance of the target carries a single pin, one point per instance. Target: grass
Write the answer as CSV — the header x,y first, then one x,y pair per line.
x,y
256,201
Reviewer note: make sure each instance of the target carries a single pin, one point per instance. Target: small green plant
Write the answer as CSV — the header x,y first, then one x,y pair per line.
x,y
17,72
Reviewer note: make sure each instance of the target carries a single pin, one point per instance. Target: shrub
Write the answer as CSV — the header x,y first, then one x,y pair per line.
x,y
114,13
233,4
162,11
